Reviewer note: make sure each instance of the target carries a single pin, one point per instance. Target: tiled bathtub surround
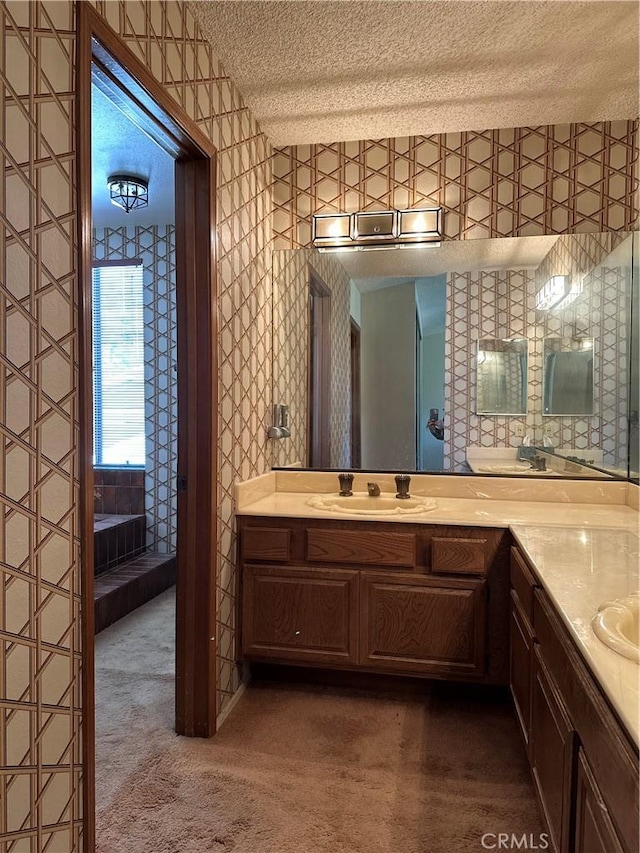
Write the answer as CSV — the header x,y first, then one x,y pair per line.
x,y
117,538
118,491
564,178
154,245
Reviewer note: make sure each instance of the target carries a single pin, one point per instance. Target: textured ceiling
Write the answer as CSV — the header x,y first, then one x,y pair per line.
x,y
333,70
119,147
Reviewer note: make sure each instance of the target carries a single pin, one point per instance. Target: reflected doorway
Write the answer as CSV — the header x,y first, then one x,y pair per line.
x,y
319,450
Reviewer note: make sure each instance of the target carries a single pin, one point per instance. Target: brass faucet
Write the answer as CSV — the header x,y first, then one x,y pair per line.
x,y
373,489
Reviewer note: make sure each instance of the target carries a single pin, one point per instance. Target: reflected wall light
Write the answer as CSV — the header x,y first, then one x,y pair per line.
x,y
128,192
552,293
380,229
558,292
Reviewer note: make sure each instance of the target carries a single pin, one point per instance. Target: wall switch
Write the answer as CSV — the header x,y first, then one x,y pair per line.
x,y
518,429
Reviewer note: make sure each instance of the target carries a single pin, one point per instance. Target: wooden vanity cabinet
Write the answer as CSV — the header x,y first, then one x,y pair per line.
x,y
423,600
584,765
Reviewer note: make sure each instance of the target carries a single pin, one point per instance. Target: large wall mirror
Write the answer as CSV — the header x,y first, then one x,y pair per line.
x,y
385,369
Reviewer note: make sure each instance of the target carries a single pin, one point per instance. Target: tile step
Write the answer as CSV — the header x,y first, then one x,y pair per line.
x,y
116,539
130,585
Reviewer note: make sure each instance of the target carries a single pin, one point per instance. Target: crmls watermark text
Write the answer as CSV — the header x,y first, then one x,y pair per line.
x,y
513,841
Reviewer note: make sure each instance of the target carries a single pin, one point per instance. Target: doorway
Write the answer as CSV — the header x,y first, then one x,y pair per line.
x,y
139,95
319,372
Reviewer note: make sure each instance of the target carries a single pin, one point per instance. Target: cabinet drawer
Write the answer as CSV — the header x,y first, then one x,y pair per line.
x,y
300,614
457,555
418,624
362,547
523,583
266,543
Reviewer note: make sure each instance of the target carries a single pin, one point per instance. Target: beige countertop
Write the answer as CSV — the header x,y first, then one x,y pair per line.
x,y
474,512
583,544
581,569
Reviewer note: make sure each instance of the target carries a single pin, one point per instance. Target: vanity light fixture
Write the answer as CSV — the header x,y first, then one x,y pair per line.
x,y
379,229
128,192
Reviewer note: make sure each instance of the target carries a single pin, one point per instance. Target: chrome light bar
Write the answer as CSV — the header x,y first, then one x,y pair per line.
x,y
379,229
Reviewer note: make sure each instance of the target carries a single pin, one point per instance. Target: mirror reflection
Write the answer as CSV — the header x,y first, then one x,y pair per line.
x,y
567,383
398,333
501,381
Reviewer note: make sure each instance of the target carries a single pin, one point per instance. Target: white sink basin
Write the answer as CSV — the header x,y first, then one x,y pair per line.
x,y
616,625
513,469
362,504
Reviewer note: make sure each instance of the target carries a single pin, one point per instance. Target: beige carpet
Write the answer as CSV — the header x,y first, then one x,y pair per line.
x,y
297,769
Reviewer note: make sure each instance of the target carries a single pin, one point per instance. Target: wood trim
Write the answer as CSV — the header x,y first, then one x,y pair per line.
x,y
197,404
356,401
319,397
197,410
85,418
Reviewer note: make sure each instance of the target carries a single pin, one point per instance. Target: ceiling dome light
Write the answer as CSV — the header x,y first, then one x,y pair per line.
x,y
128,192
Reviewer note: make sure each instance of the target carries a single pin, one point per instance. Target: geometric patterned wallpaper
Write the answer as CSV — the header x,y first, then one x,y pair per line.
x,y
154,245
555,179
291,352
40,637
502,304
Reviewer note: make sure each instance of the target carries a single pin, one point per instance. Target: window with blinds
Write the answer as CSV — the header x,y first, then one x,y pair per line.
x,y
118,365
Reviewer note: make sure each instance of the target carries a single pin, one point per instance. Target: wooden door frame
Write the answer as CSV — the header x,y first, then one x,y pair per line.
x,y
356,404
319,446
197,391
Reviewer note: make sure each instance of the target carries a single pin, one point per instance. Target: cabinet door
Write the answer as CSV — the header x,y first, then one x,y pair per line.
x,y
520,667
411,623
300,615
594,830
552,754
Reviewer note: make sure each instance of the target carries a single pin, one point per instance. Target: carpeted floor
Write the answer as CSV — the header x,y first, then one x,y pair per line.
x,y
297,769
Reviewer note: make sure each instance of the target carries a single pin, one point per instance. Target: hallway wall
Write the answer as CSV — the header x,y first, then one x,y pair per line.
x,y
40,618
154,245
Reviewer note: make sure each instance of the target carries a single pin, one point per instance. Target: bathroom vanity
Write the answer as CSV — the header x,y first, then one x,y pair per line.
x,y
496,582
584,762
416,599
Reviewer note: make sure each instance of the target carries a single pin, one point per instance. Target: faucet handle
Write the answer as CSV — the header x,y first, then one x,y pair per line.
x,y
346,481
402,485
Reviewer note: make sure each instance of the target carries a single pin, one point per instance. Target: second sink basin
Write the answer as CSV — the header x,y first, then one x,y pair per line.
x,y
616,625
362,504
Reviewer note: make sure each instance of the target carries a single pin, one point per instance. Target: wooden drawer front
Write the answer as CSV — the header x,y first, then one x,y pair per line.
x,y
523,583
612,758
266,543
365,546
552,750
452,556
418,624
300,615
520,667
594,830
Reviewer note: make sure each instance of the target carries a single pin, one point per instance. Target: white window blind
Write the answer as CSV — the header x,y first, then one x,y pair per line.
x,y
118,365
